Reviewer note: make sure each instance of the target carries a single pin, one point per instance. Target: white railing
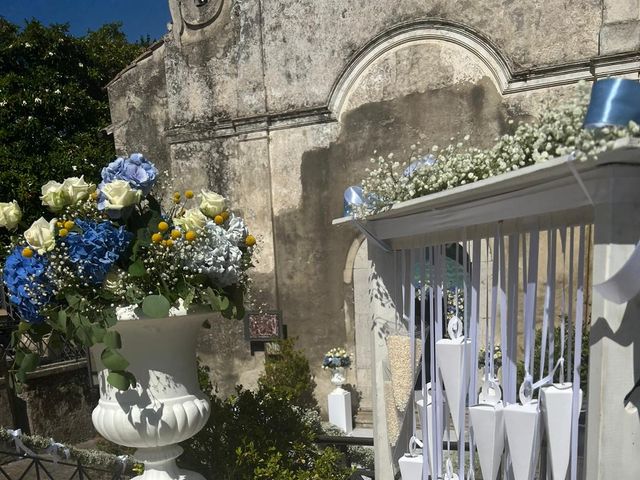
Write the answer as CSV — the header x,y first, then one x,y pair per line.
x,y
529,245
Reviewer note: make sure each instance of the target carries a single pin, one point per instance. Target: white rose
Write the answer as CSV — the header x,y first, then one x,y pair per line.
x,y
41,235
10,215
119,194
212,203
53,196
193,219
76,189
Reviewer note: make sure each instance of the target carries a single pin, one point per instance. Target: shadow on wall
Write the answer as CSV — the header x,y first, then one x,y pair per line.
x,y
628,334
310,252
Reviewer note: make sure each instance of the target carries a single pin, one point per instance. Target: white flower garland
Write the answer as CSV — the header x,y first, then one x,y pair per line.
x,y
557,132
27,444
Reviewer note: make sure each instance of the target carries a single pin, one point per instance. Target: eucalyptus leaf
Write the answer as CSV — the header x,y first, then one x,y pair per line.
x,y
23,327
29,362
109,317
136,269
85,335
119,379
72,299
62,320
97,334
156,306
112,339
113,360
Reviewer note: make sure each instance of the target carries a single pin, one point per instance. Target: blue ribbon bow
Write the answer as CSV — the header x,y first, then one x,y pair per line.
x,y
424,161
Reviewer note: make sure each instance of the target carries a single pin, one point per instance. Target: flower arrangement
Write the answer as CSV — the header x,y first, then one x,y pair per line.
x,y
336,358
111,251
497,357
557,132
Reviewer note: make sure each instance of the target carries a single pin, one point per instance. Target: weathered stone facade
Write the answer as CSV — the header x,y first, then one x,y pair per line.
x,y
280,105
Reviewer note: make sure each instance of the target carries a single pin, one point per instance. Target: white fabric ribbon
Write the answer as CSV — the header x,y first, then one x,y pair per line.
x,y
16,438
54,449
122,460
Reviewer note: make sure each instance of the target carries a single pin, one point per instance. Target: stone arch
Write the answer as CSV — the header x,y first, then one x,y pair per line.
x,y
487,55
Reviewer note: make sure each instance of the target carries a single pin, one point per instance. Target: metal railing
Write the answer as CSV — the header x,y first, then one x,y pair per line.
x,y
16,466
342,444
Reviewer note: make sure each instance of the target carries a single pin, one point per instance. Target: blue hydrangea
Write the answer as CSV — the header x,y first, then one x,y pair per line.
x,y
137,170
96,249
28,285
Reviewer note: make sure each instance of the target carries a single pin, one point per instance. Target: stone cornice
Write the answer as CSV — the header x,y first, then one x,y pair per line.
x,y
248,125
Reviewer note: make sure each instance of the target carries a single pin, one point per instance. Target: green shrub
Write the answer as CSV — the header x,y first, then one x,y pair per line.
x,y
256,435
287,375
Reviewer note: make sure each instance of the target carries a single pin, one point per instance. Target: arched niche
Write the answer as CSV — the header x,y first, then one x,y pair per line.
x,y
420,85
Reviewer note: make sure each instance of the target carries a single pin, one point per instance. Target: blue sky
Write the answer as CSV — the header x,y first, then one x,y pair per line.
x,y
139,17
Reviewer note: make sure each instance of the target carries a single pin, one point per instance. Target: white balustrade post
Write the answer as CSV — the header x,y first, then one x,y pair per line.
x,y
613,430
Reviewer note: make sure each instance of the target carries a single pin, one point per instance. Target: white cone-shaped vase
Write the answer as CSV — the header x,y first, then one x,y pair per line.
x,y
488,430
450,355
556,405
523,429
429,420
411,467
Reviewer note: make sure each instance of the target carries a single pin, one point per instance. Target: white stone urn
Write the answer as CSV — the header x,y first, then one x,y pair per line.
x,y
338,376
167,405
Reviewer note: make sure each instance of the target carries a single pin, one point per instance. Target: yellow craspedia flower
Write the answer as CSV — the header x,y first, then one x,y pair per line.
x,y
176,234
189,194
250,241
27,252
190,236
219,219
69,224
156,238
163,226
176,197
60,224
63,232
225,215
169,243
94,195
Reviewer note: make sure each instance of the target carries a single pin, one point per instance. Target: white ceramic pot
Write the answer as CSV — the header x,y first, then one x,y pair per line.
x,y
488,429
167,406
523,427
450,356
557,403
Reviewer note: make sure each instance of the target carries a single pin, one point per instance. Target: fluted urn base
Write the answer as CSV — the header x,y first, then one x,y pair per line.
x,y
160,464
166,406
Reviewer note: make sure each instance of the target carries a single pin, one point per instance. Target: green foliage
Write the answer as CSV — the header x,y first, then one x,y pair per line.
x,y
54,106
256,435
288,376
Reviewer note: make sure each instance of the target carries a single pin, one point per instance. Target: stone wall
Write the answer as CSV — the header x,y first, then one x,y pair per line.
x,y
280,105
58,404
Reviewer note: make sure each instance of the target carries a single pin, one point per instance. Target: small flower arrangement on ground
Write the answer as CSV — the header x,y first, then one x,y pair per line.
x,y
336,358
111,251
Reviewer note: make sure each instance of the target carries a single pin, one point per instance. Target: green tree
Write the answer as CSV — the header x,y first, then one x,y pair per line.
x,y
288,375
54,106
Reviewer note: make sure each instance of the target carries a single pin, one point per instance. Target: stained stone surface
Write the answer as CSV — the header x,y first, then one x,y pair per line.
x,y
240,105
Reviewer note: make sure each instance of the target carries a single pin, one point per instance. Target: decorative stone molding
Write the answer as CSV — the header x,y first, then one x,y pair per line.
x,y
499,68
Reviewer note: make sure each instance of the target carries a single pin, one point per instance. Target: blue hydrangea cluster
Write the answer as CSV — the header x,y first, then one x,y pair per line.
x,y
137,170
330,361
28,285
96,249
